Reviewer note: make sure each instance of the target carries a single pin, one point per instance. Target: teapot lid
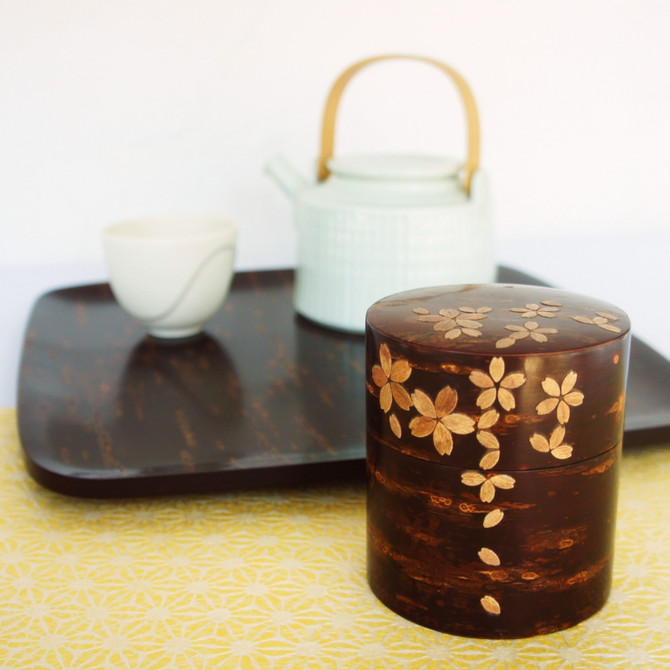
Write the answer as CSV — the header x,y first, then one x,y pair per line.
x,y
394,167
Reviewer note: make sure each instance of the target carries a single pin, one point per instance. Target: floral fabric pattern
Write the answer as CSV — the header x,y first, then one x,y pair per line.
x,y
277,579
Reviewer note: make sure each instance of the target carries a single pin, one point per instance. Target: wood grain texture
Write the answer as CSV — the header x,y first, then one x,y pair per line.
x,y
264,398
432,554
506,426
492,496
106,411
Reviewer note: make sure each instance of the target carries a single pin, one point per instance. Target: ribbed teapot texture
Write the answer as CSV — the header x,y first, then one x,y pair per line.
x,y
377,224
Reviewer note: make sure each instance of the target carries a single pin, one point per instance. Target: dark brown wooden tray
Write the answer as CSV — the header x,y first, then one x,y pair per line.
x,y
263,397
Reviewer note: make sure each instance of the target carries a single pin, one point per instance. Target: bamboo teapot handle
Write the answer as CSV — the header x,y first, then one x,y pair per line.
x,y
333,101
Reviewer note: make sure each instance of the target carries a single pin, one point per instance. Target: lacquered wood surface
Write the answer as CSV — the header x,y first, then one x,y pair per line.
x,y
264,398
495,417
426,536
502,394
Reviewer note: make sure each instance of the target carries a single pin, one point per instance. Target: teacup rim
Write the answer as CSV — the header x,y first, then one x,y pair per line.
x,y
132,229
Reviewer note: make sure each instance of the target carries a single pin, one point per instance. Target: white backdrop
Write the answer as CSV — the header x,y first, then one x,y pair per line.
x,y
120,109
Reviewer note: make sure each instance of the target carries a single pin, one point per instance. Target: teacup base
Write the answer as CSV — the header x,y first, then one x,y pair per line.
x,y
174,333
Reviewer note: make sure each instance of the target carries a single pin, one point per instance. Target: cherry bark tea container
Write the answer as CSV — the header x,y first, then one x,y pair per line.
x,y
494,433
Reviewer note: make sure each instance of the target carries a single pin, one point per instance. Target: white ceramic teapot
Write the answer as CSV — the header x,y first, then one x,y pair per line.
x,y
376,225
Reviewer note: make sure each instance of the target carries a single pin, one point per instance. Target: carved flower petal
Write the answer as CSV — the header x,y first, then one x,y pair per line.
x,y
513,381
489,459
610,327
575,398
379,376
551,387
488,556
493,518
429,318
506,400
446,324
539,337
385,359
395,425
401,396
400,371
556,437
552,303
486,398
423,404
490,604
521,335
562,452
446,401
516,329
386,398
547,406
487,492
503,481
467,323
568,382
488,439
459,423
421,310
484,310
472,478
488,419
563,412
442,440
583,319
467,310
606,315
539,443
504,343
497,368
472,333
449,313
532,325
422,426
481,379
452,334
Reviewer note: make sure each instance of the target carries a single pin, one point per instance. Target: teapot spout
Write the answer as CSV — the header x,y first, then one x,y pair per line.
x,y
287,178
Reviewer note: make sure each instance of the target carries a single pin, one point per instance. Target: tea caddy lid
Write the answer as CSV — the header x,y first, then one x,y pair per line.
x,y
504,376
395,167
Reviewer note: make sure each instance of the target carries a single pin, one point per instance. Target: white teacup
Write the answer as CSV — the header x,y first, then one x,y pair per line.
x,y
172,273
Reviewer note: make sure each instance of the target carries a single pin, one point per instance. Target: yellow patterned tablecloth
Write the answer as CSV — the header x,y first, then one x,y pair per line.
x,y
276,579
